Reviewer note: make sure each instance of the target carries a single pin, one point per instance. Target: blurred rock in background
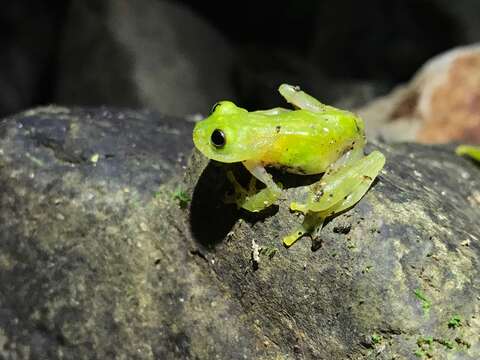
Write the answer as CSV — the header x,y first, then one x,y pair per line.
x,y
179,57
144,53
29,36
440,104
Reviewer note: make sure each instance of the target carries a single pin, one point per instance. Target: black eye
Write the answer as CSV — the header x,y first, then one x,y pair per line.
x,y
214,107
218,138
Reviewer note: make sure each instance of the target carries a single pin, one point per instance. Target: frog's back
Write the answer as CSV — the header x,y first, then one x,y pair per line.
x,y
307,142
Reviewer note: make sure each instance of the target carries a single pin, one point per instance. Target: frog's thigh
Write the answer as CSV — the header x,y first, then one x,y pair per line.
x,y
344,186
328,192
350,185
300,99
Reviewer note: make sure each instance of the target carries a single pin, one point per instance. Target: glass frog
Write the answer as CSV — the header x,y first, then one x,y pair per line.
x,y
311,139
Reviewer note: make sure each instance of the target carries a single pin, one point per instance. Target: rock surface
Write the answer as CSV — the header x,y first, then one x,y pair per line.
x,y
100,257
440,104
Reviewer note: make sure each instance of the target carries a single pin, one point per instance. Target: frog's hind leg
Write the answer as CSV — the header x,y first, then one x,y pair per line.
x,y
301,99
366,179
342,186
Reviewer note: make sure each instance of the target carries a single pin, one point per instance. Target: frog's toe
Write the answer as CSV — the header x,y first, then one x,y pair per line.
x,y
294,236
261,200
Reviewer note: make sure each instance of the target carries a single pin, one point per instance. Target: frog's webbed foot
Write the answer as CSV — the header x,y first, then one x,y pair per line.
x,y
312,224
250,199
340,188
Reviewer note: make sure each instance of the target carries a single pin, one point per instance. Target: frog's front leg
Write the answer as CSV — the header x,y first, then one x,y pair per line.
x,y
250,199
339,189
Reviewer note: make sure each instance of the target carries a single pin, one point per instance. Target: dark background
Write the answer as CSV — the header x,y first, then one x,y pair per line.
x,y
193,52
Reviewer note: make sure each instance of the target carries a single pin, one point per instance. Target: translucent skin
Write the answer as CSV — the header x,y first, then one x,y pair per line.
x,y
300,141
314,139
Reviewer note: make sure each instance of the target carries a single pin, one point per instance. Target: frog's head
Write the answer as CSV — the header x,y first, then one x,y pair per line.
x,y
225,135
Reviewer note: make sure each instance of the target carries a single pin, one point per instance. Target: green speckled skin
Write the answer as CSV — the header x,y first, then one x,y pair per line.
x,y
313,139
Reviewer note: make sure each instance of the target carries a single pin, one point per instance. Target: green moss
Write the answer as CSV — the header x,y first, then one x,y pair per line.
x,y
268,251
426,303
455,322
447,343
376,339
181,197
425,346
425,340
421,354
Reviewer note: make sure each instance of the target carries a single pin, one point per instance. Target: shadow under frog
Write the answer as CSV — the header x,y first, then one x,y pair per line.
x,y
212,216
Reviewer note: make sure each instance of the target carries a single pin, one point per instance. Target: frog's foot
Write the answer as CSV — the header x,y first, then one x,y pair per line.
x,y
261,200
312,224
294,236
250,199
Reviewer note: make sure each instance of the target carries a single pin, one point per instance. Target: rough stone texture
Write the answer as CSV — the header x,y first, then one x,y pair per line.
x,y
440,104
146,53
98,260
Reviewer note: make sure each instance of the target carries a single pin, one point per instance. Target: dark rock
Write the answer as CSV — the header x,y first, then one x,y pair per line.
x,y
380,40
146,53
98,260
440,104
29,36
259,72
464,14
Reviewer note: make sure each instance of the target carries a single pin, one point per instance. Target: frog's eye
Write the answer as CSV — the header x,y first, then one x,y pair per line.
x,y
218,138
214,107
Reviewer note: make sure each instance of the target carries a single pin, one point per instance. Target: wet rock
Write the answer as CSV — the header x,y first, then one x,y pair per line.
x,y
99,257
440,104
147,53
